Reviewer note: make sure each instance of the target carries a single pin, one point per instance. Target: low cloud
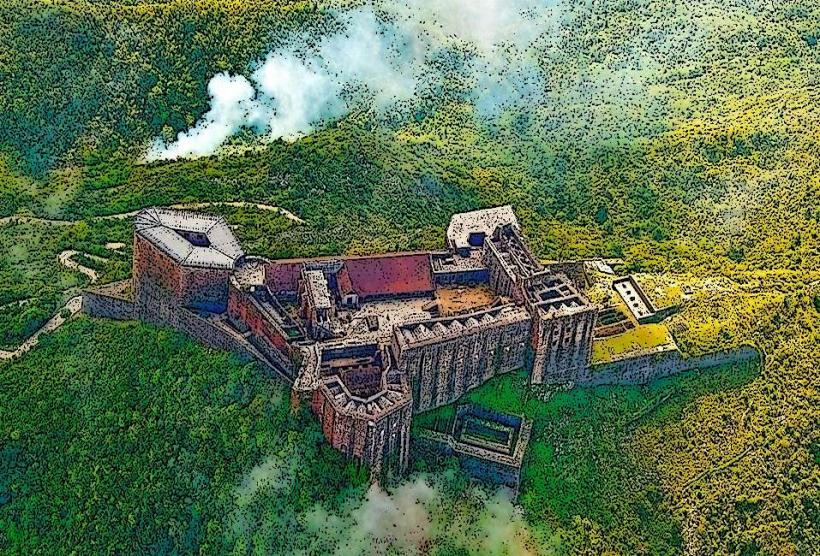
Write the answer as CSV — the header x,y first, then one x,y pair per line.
x,y
384,57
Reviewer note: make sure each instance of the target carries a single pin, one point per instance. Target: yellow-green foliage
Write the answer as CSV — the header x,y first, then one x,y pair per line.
x,y
740,466
679,136
642,337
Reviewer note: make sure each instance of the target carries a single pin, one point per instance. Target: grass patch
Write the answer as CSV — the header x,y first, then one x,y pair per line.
x,y
642,337
580,460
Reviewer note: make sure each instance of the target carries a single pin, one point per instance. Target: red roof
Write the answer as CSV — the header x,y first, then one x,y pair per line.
x,y
367,276
283,276
392,274
345,285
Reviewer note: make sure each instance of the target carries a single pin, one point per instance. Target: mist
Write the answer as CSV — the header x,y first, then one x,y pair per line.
x,y
417,516
423,513
384,58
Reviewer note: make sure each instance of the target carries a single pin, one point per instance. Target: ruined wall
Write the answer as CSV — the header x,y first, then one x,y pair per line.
x,y
562,345
645,368
441,372
574,270
501,279
246,315
495,462
491,470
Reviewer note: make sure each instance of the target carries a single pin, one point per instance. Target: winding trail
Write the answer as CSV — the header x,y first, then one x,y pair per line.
x,y
73,307
122,215
66,258
67,261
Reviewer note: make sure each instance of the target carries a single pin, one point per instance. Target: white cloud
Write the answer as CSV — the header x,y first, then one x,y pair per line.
x,y
374,62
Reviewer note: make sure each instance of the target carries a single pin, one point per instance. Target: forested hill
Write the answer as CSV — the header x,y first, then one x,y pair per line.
x,y
680,136
78,77
659,120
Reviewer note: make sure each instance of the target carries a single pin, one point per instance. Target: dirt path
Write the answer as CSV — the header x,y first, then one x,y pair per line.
x,y
73,307
67,261
18,303
191,206
236,204
66,258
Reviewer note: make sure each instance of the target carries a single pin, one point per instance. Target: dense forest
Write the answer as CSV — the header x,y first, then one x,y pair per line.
x,y
682,138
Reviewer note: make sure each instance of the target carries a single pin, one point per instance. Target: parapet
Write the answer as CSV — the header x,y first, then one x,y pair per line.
x,y
190,238
441,329
489,445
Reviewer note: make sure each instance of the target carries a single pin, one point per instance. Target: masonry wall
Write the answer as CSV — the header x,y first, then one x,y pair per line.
x,y
645,368
99,304
574,270
562,345
205,289
373,442
210,331
484,469
157,277
462,277
441,372
241,308
500,281
265,336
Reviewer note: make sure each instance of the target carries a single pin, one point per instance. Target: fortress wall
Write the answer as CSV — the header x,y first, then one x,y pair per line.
x,y
211,333
389,439
562,346
100,304
242,309
155,274
500,279
371,441
441,372
479,464
205,289
645,368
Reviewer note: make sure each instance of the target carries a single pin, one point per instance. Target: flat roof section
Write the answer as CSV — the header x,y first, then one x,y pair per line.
x,y
474,223
634,297
318,288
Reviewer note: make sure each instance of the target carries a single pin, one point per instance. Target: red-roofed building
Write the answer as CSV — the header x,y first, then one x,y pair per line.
x,y
282,277
393,274
350,298
361,277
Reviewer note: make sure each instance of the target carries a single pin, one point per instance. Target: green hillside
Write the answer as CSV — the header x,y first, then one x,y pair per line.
x,y
680,137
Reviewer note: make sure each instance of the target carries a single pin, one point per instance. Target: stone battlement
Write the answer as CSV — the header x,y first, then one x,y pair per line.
x,y
367,340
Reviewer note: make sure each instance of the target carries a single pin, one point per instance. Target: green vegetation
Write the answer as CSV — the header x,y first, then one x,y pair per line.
x,y
585,469
74,72
642,337
679,137
140,438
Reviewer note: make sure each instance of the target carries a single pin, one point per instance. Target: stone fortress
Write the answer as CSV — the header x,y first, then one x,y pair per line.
x,y
367,341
